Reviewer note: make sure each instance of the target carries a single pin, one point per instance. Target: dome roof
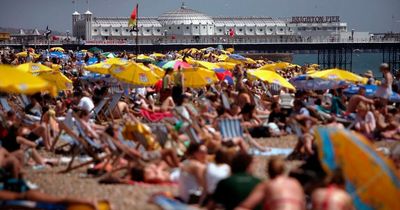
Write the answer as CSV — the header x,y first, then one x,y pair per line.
x,y
184,16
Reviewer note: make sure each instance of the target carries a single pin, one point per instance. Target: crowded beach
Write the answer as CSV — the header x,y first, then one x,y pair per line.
x,y
194,129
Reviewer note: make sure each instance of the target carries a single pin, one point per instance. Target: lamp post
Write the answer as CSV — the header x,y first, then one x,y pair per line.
x,y
165,36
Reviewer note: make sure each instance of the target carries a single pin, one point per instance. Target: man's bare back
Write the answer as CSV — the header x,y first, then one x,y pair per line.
x,y
355,100
284,193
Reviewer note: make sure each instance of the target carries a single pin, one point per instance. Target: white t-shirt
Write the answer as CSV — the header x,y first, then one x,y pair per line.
x,y
368,119
86,103
216,173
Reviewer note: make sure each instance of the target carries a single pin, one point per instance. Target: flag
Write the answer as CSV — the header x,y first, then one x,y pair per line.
x,y
231,32
48,32
133,19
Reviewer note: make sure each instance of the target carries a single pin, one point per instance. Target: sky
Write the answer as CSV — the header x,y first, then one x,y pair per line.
x,y
361,15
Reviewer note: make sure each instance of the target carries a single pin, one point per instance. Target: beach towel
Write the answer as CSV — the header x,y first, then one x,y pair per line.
x,y
155,116
271,151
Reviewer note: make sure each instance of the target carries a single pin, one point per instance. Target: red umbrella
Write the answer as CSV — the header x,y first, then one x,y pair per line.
x,y
222,73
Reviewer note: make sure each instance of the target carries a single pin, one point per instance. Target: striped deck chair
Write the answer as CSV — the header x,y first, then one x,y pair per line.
x,y
264,87
275,89
286,100
230,128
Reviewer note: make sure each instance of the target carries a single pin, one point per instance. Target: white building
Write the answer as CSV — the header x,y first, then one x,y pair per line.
x,y
185,25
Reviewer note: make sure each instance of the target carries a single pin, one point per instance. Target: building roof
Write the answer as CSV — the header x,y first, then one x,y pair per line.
x,y
184,16
123,21
75,13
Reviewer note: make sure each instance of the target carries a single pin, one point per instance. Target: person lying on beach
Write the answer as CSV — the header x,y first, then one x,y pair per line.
x,y
272,193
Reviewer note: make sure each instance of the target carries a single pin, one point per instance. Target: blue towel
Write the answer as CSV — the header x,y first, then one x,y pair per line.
x,y
272,151
166,203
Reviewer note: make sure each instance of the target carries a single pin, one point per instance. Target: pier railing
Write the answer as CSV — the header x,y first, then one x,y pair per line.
x,y
201,42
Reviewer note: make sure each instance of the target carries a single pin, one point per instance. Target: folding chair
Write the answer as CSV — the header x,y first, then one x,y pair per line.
x,y
5,105
286,101
96,111
160,131
112,105
192,127
230,128
225,101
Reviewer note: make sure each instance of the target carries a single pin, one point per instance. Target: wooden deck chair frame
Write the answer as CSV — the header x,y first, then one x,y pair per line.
x,y
193,129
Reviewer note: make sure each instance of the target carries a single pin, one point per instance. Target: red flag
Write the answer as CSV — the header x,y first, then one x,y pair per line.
x,y
231,32
133,19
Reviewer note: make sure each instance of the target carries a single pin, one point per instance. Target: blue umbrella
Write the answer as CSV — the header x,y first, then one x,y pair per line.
x,y
92,60
304,82
161,63
370,91
57,54
237,57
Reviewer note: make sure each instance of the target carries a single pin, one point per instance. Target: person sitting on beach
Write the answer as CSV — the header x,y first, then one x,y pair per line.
x,y
280,192
216,171
230,192
15,187
191,179
357,99
333,196
92,130
365,121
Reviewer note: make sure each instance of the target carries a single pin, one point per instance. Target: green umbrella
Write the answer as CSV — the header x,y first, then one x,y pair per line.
x,y
95,50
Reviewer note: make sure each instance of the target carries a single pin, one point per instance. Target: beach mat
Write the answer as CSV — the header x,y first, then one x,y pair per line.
x,y
271,151
166,203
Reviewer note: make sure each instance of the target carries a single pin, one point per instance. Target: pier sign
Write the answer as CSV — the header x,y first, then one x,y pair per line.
x,y
315,19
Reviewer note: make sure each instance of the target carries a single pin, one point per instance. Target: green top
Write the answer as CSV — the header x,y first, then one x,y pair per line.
x,y
178,79
230,192
165,82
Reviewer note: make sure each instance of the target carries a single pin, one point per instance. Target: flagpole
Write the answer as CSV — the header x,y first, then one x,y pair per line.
x,y
137,30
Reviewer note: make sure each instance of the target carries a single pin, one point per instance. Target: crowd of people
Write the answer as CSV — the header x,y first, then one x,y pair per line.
x,y
211,168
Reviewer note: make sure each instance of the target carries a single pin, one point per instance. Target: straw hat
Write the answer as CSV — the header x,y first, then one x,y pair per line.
x,y
369,74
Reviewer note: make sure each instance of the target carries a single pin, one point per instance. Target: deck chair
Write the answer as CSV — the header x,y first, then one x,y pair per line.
x,y
192,128
225,101
160,131
230,128
112,105
79,141
264,87
275,89
97,110
5,105
286,101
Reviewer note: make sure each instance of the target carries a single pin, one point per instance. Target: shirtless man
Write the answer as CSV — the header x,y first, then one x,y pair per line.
x,y
356,99
279,193
332,197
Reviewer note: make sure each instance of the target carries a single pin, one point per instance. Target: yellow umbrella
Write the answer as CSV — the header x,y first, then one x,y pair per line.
x,y
59,49
226,65
339,74
371,178
13,80
56,67
282,65
24,54
143,57
157,55
198,77
103,67
268,66
207,65
33,67
134,73
230,50
157,70
250,61
57,79
270,77
223,57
